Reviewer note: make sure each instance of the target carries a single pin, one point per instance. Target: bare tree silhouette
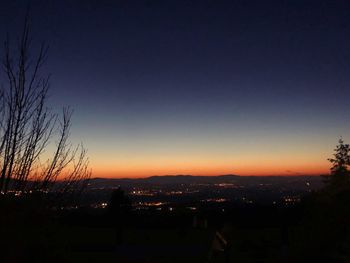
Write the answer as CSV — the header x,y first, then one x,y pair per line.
x,y
28,128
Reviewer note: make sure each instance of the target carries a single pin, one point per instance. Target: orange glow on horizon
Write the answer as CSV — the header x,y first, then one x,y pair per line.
x,y
214,171
205,154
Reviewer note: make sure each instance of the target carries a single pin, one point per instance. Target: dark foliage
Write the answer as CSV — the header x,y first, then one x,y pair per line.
x,y
340,174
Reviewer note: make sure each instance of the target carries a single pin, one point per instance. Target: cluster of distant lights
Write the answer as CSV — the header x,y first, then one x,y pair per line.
x,y
142,193
137,192
228,185
159,206
163,206
215,200
151,204
291,200
20,193
102,205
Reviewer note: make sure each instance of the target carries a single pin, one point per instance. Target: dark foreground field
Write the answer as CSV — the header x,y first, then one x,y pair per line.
x,y
61,242
315,230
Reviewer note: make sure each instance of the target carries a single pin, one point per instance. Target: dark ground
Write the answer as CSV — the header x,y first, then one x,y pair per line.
x,y
313,231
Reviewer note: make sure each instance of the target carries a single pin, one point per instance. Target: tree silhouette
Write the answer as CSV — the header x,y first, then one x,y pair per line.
x,y
119,203
119,207
340,175
325,234
28,128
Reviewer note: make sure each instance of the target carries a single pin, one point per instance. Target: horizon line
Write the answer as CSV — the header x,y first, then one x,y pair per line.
x,y
190,175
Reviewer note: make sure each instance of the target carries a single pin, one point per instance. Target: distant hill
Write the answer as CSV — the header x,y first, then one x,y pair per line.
x,y
249,181
169,179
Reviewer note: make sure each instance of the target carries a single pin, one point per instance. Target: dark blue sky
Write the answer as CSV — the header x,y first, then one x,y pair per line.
x,y
157,79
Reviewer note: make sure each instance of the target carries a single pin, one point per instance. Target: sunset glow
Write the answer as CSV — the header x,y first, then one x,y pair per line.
x,y
187,92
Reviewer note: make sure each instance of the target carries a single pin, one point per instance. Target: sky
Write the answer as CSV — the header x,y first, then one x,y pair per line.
x,y
197,87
